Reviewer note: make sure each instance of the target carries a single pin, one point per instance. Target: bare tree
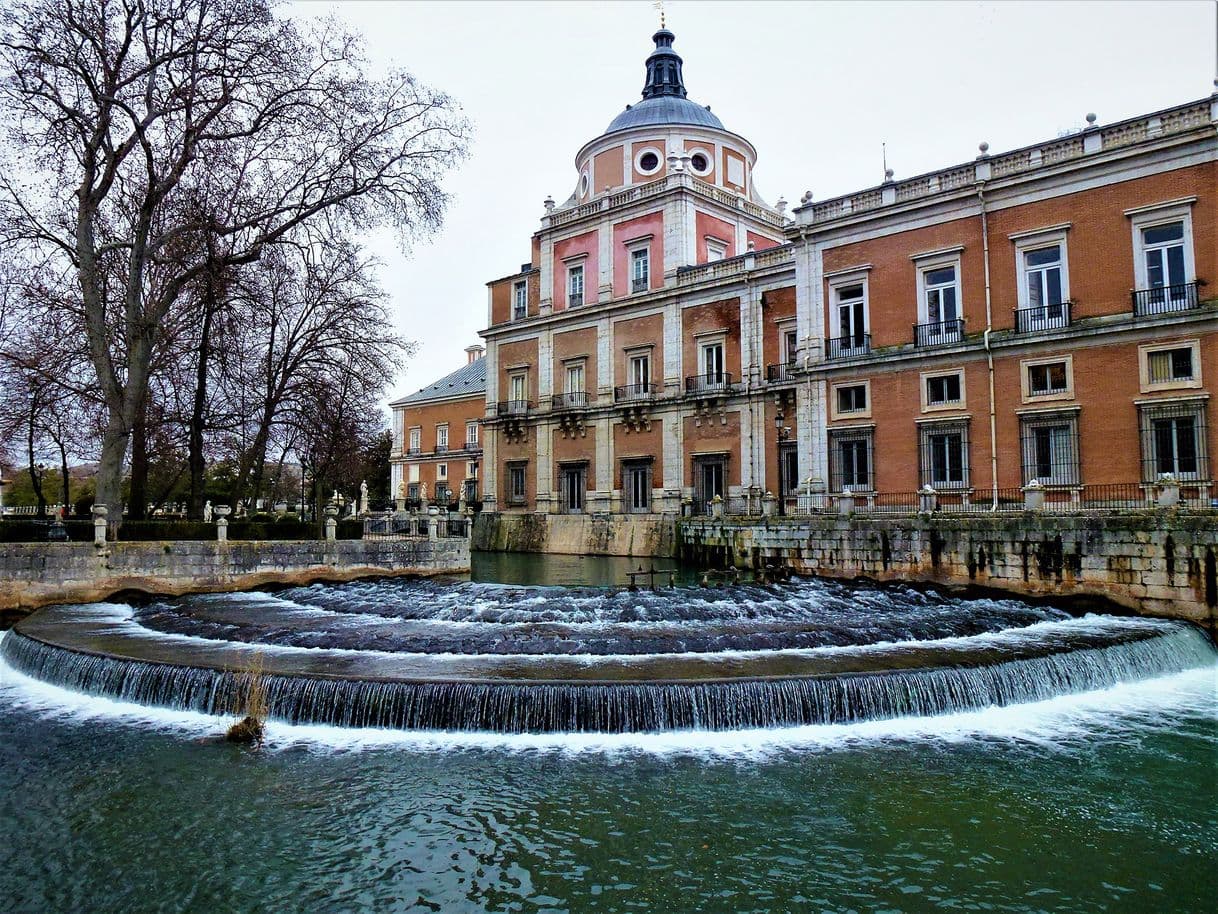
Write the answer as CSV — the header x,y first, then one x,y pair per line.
x,y
126,113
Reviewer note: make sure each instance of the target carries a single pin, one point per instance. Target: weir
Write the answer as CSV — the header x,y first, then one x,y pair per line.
x,y
409,655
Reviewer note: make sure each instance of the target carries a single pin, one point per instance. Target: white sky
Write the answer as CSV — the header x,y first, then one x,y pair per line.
x,y
817,87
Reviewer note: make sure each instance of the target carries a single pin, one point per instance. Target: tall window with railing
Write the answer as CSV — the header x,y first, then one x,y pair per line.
x,y
1044,292
1050,449
520,300
850,460
940,304
640,269
1164,266
1174,440
944,454
575,285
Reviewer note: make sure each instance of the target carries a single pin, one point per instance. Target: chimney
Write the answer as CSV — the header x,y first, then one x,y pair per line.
x,y
474,353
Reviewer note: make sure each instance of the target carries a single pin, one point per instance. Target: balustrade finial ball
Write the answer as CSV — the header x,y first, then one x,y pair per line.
x,y
807,197
984,147
888,173
1091,118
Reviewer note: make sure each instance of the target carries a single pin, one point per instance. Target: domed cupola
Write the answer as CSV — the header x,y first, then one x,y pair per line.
x,y
665,100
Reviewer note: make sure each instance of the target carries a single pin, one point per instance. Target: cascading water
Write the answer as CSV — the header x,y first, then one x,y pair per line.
x,y
422,655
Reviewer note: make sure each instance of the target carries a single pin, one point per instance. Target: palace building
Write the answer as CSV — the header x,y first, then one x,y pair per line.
x,y
1032,317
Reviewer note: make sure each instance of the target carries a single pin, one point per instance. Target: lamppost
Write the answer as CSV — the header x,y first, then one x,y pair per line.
x,y
304,514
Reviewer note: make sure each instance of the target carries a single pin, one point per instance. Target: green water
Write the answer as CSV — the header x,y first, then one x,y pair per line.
x,y
1099,802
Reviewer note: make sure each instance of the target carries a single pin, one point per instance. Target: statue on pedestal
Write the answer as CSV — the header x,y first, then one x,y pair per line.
x,y
207,512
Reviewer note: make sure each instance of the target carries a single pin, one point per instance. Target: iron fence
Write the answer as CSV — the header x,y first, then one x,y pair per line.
x,y
572,399
631,392
399,525
848,347
938,333
1165,299
1043,317
784,371
714,382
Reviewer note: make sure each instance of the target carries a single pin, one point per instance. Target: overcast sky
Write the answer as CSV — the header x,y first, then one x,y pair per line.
x,y
817,88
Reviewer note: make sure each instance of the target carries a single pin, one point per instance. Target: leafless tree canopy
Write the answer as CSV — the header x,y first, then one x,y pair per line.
x,y
170,165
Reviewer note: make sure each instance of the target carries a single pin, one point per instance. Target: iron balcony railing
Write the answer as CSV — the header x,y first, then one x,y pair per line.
x,y
939,333
441,449
575,299
473,446
413,451
513,407
1043,317
714,382
572,399
848,347
631,392
1165,299
784,371
638,285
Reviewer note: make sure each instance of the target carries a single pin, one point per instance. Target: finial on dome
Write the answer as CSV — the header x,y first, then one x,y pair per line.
x,y
659,5
664,68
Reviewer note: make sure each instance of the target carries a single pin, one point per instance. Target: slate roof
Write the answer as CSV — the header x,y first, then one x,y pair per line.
x,y
467,381
665,110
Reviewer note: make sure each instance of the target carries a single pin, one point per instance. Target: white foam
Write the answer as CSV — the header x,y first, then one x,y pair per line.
x,y
1122,711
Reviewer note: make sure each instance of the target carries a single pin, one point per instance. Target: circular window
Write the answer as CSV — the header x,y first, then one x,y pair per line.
x,y
584,182
648,161
699,162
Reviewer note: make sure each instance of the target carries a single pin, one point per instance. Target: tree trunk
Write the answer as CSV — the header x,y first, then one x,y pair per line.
x,y
196,462
137,503
110,468
35,476
67,482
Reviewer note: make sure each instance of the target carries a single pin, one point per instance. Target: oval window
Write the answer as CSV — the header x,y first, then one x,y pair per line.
x,y
700,163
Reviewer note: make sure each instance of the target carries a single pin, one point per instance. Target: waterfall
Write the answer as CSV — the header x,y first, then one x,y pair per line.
x,y
509,707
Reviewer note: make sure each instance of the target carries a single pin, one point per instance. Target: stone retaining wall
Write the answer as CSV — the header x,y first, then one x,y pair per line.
x,y
1159,563
577,534
38,574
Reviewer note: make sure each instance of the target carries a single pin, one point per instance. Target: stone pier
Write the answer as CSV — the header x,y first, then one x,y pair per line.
x,y
1158,563
39,574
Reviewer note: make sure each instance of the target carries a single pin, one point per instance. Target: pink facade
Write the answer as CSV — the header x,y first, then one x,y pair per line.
x,y
626,237
706,226
582,249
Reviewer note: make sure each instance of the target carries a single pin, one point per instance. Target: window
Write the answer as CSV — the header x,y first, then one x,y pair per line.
x,y
1047,378
1163,258
1173,440
1167,366
416,439
444,493
572,485
710,479
636,480
1050,449
469,490
700,163
851,302
640,269
850,460
790,345
944,454
441,471
471,469
518,385
575,285
516,483
851,398
1043,289
711,357
441,438
471,434
520,301
943,390
648,161
412,491
715,250
575,378
940,296
640,373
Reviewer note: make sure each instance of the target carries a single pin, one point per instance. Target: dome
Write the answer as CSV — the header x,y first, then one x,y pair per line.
x,y
665,110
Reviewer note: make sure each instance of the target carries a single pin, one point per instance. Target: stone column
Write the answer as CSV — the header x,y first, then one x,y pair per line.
x,y
1169,491
222,512
769,503
331,522
99,526
1034,496
433,522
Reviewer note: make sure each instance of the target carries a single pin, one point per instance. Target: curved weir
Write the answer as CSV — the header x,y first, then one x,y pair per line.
x,y
416,655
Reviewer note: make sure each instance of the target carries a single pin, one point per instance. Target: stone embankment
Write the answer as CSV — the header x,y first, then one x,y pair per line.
x,y
577,534
39,574
1158,563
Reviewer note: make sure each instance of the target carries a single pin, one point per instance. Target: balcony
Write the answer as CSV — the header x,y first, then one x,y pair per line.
x,y
473,447
639,284
634,393
442,448
572,399
513,407
413,451
575,299
781,373
715,382
848,347
1165,299
938,333
1043,318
